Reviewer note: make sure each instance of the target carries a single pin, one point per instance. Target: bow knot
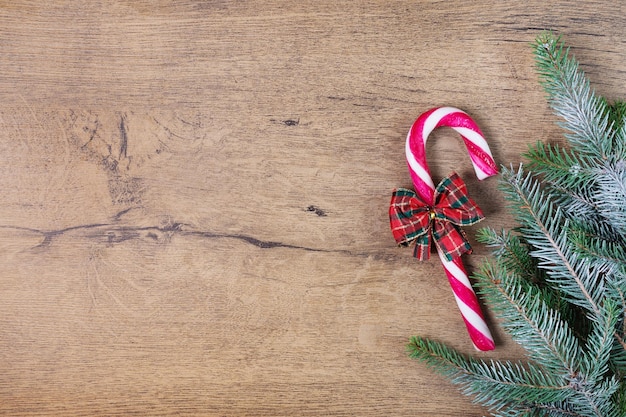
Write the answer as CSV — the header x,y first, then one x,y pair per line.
x,y
414,221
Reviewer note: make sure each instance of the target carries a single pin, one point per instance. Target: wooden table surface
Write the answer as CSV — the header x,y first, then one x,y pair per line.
x,y
193,218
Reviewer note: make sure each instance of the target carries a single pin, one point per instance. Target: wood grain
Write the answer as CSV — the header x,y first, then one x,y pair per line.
x,y
193,218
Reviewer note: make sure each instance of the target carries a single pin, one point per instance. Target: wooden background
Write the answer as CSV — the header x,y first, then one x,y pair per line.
x,y
193,217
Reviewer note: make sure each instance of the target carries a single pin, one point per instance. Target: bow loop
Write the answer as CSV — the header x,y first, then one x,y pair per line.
x,y
413,221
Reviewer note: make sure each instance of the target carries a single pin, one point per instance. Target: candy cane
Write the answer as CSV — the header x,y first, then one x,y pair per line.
x,y
484,166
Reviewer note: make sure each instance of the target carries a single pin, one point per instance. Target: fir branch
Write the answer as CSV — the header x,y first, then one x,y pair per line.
x,y
511,251
622,304
597,248
510,386
512,389
576,202
570,175
563,409
596,229
567,169
526,317
617,119
617,113
585,115
611,195
596,400
617,362
514,255
595,361
618,354
546,230
620,399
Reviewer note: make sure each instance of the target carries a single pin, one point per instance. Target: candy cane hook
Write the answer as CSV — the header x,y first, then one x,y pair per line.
x,y
484,166
479,152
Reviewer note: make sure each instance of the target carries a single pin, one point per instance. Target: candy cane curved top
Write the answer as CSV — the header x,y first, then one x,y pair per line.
x,y
479,152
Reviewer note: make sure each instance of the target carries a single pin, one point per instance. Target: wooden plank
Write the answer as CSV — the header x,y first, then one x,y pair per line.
x,y
194,216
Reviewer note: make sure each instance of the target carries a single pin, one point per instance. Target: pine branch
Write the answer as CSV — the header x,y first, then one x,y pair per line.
x,y
597,248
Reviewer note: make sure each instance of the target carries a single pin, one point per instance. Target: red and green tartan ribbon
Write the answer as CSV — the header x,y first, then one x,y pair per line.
x,y
413,221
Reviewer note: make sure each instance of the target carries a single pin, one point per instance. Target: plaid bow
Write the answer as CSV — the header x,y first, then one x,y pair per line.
x,y
412,220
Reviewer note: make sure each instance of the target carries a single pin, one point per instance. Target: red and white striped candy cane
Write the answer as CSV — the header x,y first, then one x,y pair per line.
x,y
485,166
